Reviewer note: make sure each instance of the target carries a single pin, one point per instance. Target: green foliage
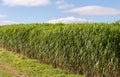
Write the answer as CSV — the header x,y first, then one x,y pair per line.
x,y
91,49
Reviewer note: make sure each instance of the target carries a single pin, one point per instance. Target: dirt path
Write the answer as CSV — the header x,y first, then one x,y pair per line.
x,y
12,71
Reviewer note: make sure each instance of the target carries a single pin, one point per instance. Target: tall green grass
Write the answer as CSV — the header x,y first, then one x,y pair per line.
x,y
90,49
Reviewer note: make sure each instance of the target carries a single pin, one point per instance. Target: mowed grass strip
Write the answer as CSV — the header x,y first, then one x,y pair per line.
x,y
4,73
29,67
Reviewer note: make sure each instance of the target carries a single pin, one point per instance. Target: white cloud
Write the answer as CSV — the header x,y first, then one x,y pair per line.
x,y
60,1
95,10
7,22
3,16
27,3
69,20
63,5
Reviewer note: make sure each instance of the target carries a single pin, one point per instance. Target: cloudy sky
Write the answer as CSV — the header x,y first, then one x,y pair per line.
x,y
52,11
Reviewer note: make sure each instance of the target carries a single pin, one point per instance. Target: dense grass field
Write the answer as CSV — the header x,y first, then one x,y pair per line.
x,y
89,49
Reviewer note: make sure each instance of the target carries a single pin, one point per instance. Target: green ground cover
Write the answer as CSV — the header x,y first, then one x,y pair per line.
x,y
29,67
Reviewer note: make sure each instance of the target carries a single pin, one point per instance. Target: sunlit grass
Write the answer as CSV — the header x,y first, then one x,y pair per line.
x,y
4,73
30,67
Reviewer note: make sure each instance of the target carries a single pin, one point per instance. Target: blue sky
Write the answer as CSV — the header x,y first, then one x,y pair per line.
x,y
35,11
